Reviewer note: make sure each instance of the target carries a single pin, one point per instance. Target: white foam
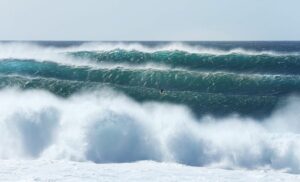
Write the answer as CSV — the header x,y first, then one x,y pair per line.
x,y
174,46
146,171
108,127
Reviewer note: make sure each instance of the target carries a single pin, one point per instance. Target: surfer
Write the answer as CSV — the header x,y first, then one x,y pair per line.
x,y
161,91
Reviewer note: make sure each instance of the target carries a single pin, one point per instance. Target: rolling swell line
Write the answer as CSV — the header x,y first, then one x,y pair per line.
x,y
200,103
178,80
236,62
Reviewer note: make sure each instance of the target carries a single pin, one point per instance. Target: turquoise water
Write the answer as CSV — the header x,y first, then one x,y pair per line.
x,y
219,78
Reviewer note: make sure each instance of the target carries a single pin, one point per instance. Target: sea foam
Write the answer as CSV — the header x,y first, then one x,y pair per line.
x,y
106,126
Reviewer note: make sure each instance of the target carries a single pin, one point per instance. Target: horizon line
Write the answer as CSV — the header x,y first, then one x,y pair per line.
x,y
61,40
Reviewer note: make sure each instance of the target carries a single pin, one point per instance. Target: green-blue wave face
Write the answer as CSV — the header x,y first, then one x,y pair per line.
x,y
247,83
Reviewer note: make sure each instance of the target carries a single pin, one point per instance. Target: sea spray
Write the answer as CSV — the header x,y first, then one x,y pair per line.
x,y
106,126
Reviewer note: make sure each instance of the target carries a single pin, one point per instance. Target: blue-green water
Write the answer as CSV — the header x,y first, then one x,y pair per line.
x,y
219,78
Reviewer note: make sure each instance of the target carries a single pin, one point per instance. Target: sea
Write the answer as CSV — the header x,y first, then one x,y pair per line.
x,y
214,107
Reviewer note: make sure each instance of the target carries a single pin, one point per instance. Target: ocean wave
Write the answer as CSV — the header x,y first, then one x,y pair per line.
x,y
25,50
200,102
235,62
167,79
167,56
105,127
174,46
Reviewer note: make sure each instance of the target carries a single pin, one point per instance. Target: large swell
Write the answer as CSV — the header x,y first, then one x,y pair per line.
x,y
207,80
229,106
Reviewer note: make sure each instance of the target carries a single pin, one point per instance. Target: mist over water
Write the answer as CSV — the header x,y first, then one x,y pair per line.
x,y
228,105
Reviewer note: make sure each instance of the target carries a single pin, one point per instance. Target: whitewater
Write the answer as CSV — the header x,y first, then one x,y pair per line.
x,y
95,111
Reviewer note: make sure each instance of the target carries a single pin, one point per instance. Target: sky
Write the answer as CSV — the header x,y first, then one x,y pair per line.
x,y
149,20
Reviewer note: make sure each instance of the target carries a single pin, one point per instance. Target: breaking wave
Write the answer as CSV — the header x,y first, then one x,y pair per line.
x,y
106,126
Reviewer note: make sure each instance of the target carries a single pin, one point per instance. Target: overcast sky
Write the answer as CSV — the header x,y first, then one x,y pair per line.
x,y
149,19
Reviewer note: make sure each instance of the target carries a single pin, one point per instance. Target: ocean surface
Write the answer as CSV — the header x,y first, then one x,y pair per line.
x,y
228,105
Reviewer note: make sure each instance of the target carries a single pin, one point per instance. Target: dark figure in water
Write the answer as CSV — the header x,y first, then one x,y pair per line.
x,y
161,91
